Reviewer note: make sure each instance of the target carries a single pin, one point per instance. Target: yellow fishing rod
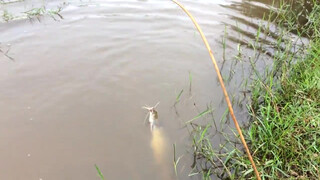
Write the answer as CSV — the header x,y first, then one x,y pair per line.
x,y
223,88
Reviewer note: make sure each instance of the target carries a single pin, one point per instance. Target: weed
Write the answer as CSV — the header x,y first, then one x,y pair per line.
x,y
7,16
99,172
38,12
35,13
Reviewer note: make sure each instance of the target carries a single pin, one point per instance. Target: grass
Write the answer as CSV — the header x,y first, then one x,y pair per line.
x,y
175,160
284,107
6,16
5,53
178,97
34,13
38,12
100,175
208,110
285,128
190,83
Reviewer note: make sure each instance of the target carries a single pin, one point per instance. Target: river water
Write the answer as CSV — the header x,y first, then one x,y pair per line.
x,y
72,92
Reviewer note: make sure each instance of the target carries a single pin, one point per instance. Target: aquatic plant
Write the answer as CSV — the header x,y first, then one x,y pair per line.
x,y
7,16
38,12
34,13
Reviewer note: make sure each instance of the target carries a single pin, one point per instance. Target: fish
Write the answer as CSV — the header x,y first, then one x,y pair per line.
x,y
153,116
159,143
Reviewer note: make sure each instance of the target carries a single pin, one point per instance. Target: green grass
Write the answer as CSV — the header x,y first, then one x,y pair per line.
x,y
100,175
284,132
178,97
6,16
42,11
208,110
285,128
34,13
284,107
175,160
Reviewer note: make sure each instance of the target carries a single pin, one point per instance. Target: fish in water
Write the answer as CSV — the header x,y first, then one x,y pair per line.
x,y
159,143
153,116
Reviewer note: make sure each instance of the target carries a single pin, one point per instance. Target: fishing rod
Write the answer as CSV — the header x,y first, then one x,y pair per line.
x,y
223,88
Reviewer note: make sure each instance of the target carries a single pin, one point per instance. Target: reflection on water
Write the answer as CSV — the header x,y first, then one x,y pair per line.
x,y
159,146
246,30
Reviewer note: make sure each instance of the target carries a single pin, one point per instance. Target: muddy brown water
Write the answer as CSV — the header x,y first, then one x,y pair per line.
x,y
72,96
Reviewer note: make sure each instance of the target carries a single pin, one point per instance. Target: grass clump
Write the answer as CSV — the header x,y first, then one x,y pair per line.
x,y
285,128
6,16
284,132
34,13
38,12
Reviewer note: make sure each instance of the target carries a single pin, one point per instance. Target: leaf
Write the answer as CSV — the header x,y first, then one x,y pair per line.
x,y
178,97
200,115
99,172
203,133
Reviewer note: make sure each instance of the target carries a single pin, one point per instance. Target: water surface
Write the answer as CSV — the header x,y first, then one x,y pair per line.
x,y
72,96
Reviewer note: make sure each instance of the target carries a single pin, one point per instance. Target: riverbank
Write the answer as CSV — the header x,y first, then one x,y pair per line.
x,y
284,108
285,130
284,133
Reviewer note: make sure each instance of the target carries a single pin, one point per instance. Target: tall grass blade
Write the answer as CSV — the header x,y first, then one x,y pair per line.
x,y
178,97
200,115
100,175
